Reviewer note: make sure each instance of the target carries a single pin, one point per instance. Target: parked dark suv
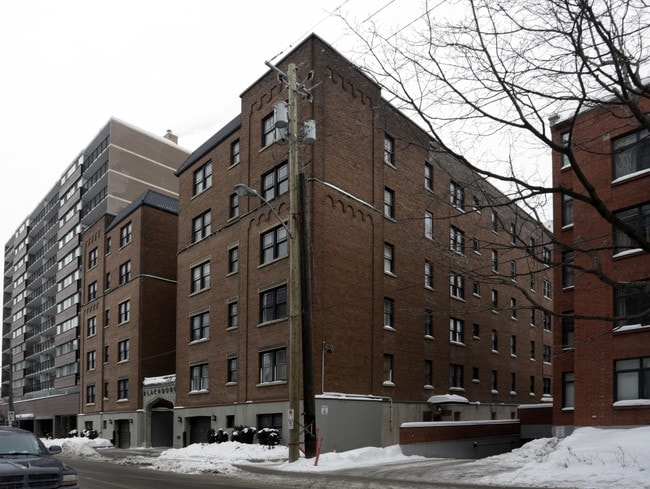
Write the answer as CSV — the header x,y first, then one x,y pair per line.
x,y
26,463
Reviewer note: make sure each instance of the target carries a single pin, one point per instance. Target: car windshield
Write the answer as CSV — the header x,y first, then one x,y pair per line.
x,y
20,444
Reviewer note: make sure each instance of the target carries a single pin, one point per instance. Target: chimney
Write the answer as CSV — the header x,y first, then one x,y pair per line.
x,y
171,136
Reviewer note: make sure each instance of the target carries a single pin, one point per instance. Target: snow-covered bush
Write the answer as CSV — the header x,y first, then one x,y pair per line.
x,y
268,436
244,434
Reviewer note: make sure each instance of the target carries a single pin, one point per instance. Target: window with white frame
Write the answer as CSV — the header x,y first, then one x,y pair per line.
x,y
456,374
632,379
428,274
495,340
428,373
456,330
233,314
201,226
90,394
273,304
389,258
389,313
126,233
200,326
274,244
456,285
122,389
456,195
232,369
200,277
125,272
428,323
199,377
235,156
92,291
567,269
632,304
91,360
566,138
124,311
233,259
547,289
273,365
123,350
630,154
388,369
389,150
428,176
513,345
567,210
233,206
428,225
568,389
276,182
513,308
268,130
495,261
457,240
91,326
389,203
92,257
638,218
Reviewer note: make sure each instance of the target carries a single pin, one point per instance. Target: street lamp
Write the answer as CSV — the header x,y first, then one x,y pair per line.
x,y
244,190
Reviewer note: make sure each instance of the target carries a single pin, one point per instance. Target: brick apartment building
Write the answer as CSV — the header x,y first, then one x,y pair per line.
x,y
424,284
128,319
42,270
602,366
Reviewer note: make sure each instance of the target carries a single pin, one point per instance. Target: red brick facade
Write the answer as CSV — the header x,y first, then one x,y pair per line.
x,y
597,344
346,179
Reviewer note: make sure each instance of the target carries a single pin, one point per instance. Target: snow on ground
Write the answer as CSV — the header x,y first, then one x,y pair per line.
x,y
591,458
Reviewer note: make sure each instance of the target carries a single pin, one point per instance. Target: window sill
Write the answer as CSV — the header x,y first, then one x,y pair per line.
x,y
626,253
228,384
456,389
122,400
513,393
389,328
568,409
196,342
428,387
201,391
273,321
428,337
567,227
494,392
271,383
388,383
632,403
457,343
390,274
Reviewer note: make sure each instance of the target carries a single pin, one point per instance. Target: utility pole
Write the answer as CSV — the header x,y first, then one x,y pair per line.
x,y
295,303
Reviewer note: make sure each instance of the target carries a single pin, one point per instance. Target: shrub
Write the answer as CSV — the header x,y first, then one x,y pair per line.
x,y
243,434
268,436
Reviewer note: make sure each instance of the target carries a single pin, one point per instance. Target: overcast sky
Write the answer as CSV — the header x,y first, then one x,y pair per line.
x,y
70,65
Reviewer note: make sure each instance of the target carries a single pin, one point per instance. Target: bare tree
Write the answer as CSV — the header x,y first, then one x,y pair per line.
x,y
492,73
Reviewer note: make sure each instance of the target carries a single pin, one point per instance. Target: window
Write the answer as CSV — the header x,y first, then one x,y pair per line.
x,y
566,137
495,261
202,178
428,274
232,370
513,308
513,383
533,319
547,289
547,321
125,272
513,233
389,313
631,304
532,349
632,379
495,381
476,330
274,244
630,154
201,226
457,286
107,318
92,258
568,389
389,203
268,130
546,354
475,375
476,203
123,350
567,269
495,340
91,360
200,326
456,330
476,288
233,209
428,176
273,365
428,373
637,218
272,420
533,282
106,351
494,221
476,246
91,326
428,225
126,232
276,182
233,314
546,256
457,240
200,276
456,376
567,210
108,281
106,390
428,323
124,311
513,345
495,300
234,152
199,377
389,378
513,270
546,386
389,150
273,304
389,258
90,394
456,195
109,243
233,259
92,291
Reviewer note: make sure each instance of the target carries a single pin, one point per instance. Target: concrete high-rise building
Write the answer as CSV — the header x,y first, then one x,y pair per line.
x,y
42,276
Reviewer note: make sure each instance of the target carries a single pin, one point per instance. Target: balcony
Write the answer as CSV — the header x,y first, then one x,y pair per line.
x,y
39,367
38,386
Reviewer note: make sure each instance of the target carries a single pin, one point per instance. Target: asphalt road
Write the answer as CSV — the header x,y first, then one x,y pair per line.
x,y
110,474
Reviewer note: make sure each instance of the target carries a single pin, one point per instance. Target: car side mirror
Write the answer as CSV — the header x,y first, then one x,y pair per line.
x,y
55,449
